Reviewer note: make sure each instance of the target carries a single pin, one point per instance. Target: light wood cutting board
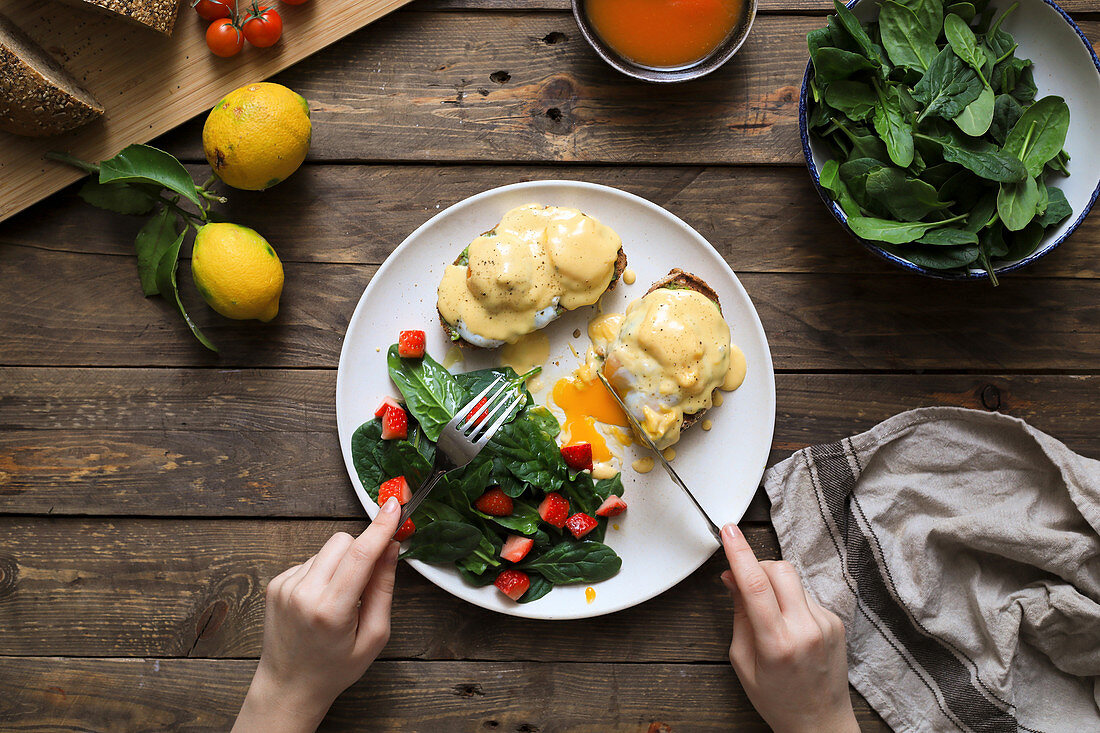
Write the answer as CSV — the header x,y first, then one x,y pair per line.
x,y
149,83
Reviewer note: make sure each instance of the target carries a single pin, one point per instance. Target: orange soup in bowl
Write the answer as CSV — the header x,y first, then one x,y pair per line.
x,y
663,33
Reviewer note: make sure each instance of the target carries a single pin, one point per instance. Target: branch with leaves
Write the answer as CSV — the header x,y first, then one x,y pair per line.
x,y
143,180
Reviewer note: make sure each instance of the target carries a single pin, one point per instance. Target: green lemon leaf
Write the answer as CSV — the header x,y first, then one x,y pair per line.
x,y
166,286
121,198
146,164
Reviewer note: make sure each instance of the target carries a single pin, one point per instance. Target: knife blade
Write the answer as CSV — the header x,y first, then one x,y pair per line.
x,y
644,437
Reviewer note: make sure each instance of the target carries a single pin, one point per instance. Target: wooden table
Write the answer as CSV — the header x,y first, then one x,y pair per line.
x,y
149,489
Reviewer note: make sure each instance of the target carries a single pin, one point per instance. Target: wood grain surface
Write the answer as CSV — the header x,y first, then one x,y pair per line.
x,y
413,697
150,489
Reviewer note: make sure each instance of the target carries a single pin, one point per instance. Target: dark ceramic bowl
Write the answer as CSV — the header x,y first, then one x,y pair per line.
x,y
1066,65
720,55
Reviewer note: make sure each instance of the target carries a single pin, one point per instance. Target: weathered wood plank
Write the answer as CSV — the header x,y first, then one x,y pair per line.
x,y
82,310
192,442
412,697
149,587
464,86
760,219
492,86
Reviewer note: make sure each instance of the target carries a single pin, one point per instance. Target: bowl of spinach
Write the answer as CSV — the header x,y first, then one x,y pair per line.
x,y
939,133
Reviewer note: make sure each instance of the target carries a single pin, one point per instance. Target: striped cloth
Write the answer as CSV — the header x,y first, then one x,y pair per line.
x,y
962,550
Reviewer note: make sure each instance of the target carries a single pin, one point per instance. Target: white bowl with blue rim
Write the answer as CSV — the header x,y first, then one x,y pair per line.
x,y
1065,65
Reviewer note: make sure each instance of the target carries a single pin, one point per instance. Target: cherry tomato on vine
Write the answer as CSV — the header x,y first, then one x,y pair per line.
x,y
212,9
264,27
224,39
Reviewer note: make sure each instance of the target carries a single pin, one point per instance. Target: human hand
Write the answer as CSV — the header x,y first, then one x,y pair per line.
x,y
327,620
787,650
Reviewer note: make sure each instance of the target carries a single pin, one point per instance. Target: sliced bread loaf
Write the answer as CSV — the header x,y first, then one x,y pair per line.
x,y
160,15
37,96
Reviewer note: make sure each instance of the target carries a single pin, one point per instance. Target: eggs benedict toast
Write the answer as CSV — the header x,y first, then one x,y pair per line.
x,y
669,354
516,278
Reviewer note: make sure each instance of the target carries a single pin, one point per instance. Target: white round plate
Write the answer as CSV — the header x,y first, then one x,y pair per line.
x,y
661,538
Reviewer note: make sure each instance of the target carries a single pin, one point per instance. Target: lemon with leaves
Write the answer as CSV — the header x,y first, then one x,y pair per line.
x,y
237,272
257,135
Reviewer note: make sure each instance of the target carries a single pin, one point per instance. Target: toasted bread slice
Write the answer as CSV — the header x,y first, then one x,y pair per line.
x,y
678,279
463,259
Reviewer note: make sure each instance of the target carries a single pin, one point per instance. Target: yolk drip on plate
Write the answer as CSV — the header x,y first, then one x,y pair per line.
x,y
585,403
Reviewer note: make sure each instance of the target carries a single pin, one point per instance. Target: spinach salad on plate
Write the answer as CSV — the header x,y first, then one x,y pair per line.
x,y
942,155
519,496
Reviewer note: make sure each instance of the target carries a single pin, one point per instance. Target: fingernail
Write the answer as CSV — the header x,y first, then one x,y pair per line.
x,y
731,530
392,506
727,581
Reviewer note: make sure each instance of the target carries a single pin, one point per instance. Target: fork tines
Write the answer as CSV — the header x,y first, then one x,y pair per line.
x,y
484,414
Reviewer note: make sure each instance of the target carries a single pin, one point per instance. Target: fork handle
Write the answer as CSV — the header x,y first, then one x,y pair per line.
x,y
419,496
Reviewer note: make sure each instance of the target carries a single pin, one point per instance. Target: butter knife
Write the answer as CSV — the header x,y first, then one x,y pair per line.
x,y
714,530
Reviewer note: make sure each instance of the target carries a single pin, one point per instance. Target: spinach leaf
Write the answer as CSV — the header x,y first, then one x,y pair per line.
x,y
833,64
431,393
980,157
829,178
575,562
1006,113
905,198
977,116
893,232
909,32
1057,164
1017,202
1039,134
1058,208
529,451
948,237
964,44
947,87
524,519
442,541
937,258
1022,243
377,460
966,11
540,586
855,99
855,31
892,125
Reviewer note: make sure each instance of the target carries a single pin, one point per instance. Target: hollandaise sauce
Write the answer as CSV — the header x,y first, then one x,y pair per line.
x,y
663,33
671,352
515,278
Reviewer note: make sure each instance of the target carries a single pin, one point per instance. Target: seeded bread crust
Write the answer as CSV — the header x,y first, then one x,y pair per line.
x,y
679,279
620,266
160,15
38,97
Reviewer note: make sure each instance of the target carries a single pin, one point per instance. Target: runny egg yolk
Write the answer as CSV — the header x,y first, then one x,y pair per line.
x,y
584,404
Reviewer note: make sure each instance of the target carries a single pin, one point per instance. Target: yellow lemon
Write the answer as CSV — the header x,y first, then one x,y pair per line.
x,y
237,272
257,135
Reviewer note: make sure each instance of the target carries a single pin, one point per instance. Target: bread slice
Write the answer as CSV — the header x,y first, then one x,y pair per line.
x,y
160,15
37,96
463,259
677,279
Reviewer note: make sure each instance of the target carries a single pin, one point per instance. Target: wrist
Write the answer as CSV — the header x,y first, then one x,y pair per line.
x,y
281,706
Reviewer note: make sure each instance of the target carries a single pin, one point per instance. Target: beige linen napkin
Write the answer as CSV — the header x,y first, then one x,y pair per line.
x,y
962,550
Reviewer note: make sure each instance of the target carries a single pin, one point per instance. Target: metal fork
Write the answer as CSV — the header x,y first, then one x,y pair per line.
x,y
466,434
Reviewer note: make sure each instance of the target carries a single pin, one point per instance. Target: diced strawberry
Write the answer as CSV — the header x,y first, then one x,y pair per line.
x,y
411,344
513,584
578,456
580,524
477,410
397,488
554,509
494,502
387,403
395,424
516,547
406,531
612,506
